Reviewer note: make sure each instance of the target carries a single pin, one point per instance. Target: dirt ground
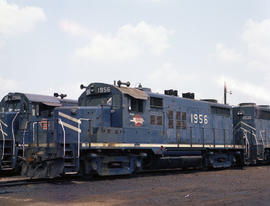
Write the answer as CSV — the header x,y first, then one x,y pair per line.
x,y
250,186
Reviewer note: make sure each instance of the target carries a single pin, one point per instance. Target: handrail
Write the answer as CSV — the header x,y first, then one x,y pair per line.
x,y
34,131
246,143
218,134
13,136
262,139
3,152
64,136
3,123
79,134
24,131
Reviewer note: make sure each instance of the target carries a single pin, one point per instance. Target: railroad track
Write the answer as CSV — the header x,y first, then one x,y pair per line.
x,y
28,181
19,181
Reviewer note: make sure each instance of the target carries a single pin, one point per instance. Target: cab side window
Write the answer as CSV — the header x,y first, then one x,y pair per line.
x,y
24,107
135,105
35,110
116,101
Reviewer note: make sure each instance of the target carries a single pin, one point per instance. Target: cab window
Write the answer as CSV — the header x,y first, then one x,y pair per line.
x,y
114,100
13,106
135,105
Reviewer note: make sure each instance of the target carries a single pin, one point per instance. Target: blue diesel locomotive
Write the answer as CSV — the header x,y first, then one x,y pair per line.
x,y
22,117
252,125
119,130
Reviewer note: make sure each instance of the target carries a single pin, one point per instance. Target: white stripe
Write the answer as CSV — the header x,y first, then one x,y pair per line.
x,y
70,126
3,132
241,122
248,131
21,145
70,118
248,125
3,123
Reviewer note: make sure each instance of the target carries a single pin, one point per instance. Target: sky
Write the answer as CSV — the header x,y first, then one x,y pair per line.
x,y
186,45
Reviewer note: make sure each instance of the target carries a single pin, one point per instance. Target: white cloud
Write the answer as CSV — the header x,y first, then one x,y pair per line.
x,y
15,20
75,29
128,43
8,85
257,37
169,77
152,1
226,54
2,43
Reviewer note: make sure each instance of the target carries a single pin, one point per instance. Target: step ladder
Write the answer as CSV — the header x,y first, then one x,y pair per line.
x,y
70,159
260,141
7,162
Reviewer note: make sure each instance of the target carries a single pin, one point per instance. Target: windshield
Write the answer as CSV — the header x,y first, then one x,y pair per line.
x,y
12,106
99,101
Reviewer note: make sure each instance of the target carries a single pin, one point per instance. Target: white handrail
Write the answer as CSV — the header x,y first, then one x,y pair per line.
x,y
34,132
13,136
79,134
64,137
24,135
3,123
3,152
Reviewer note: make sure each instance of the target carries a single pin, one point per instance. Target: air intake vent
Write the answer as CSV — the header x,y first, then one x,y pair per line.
x,y
210,100
145,89
188,95
247,104
171,92
264,106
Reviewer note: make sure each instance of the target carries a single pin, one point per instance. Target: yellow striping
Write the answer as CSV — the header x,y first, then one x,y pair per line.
x,y
116,145
39,145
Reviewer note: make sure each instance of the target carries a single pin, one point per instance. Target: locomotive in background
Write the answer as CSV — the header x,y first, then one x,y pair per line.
x,y
22,118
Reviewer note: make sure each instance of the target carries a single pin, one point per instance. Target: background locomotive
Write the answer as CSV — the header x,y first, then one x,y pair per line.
x,y
252,125
120,130
22,118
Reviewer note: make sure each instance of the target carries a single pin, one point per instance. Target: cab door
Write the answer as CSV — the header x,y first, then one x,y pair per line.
x,y
137,121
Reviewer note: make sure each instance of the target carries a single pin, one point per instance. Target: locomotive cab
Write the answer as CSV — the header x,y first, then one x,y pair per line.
x,y
23,118
121,100
106,115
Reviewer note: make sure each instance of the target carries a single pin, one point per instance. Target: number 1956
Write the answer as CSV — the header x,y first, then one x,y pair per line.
x,y
198,118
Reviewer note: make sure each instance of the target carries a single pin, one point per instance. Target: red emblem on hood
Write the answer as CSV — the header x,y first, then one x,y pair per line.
x,y
44,124
138,120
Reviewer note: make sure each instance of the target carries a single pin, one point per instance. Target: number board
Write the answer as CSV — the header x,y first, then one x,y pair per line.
x,y
98,90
